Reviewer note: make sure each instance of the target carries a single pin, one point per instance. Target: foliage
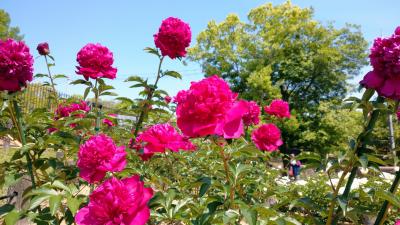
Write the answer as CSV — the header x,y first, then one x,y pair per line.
x,y
5,30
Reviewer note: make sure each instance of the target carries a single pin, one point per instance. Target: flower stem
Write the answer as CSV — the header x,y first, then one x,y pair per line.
x,y
51,79
98,113
146,105
354,168
23,140
380,219
226,168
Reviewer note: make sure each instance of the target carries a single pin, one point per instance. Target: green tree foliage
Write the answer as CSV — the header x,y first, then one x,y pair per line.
x,y
284,46
282,52
5,30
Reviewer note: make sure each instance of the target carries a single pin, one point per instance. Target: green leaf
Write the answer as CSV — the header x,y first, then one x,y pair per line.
x,y
87,90
173,74
388,196
54,203
60,185
250,216
363,159
39,75
73,204
108,93
205,185
152,51
124,99
6,208
58,76
37,200
105,87
12,217
376,160
368,93
81,81
134,79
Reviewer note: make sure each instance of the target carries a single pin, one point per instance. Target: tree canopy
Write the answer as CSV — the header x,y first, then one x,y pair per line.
x,y
281,51
6,31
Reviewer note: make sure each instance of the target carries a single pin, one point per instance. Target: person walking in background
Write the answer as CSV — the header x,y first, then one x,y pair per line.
x,y
294,167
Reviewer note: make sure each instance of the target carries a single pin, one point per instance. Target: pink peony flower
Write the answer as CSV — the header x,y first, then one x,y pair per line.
x,y
209,108
385,60
108,122
267,137
95,61
100,155
15,65
173,37
159,138
117,202
398,114
66,110
252,115
397,221
278,108
167,99
43,48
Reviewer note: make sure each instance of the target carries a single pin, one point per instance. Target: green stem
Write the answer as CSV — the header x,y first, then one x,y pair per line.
x,y
98,113
359,150
226,169
380,219
23,141
51,79
146,105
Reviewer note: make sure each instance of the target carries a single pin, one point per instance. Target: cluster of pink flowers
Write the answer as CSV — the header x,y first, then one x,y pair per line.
x,y
95,61
209,107
278,108
43,48
15,65
117,202
66,110
385,60
108,122
160,138
267,137
173,37
252,115
100,155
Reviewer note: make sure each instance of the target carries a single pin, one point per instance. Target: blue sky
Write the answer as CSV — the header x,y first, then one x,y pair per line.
x,y
126,27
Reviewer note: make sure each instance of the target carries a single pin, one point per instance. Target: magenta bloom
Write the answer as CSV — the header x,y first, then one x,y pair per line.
x,y
66,110
397,221
267,137
43,48
117,202
15,65
95,61
100,155
173,37
252,115
159,138
209,107
278,108
108,122
167,99
385,60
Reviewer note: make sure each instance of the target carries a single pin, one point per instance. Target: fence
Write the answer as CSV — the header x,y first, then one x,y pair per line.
x,y
38,96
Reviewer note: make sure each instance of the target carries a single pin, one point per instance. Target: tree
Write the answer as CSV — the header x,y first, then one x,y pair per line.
x,y
5,30
295,54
